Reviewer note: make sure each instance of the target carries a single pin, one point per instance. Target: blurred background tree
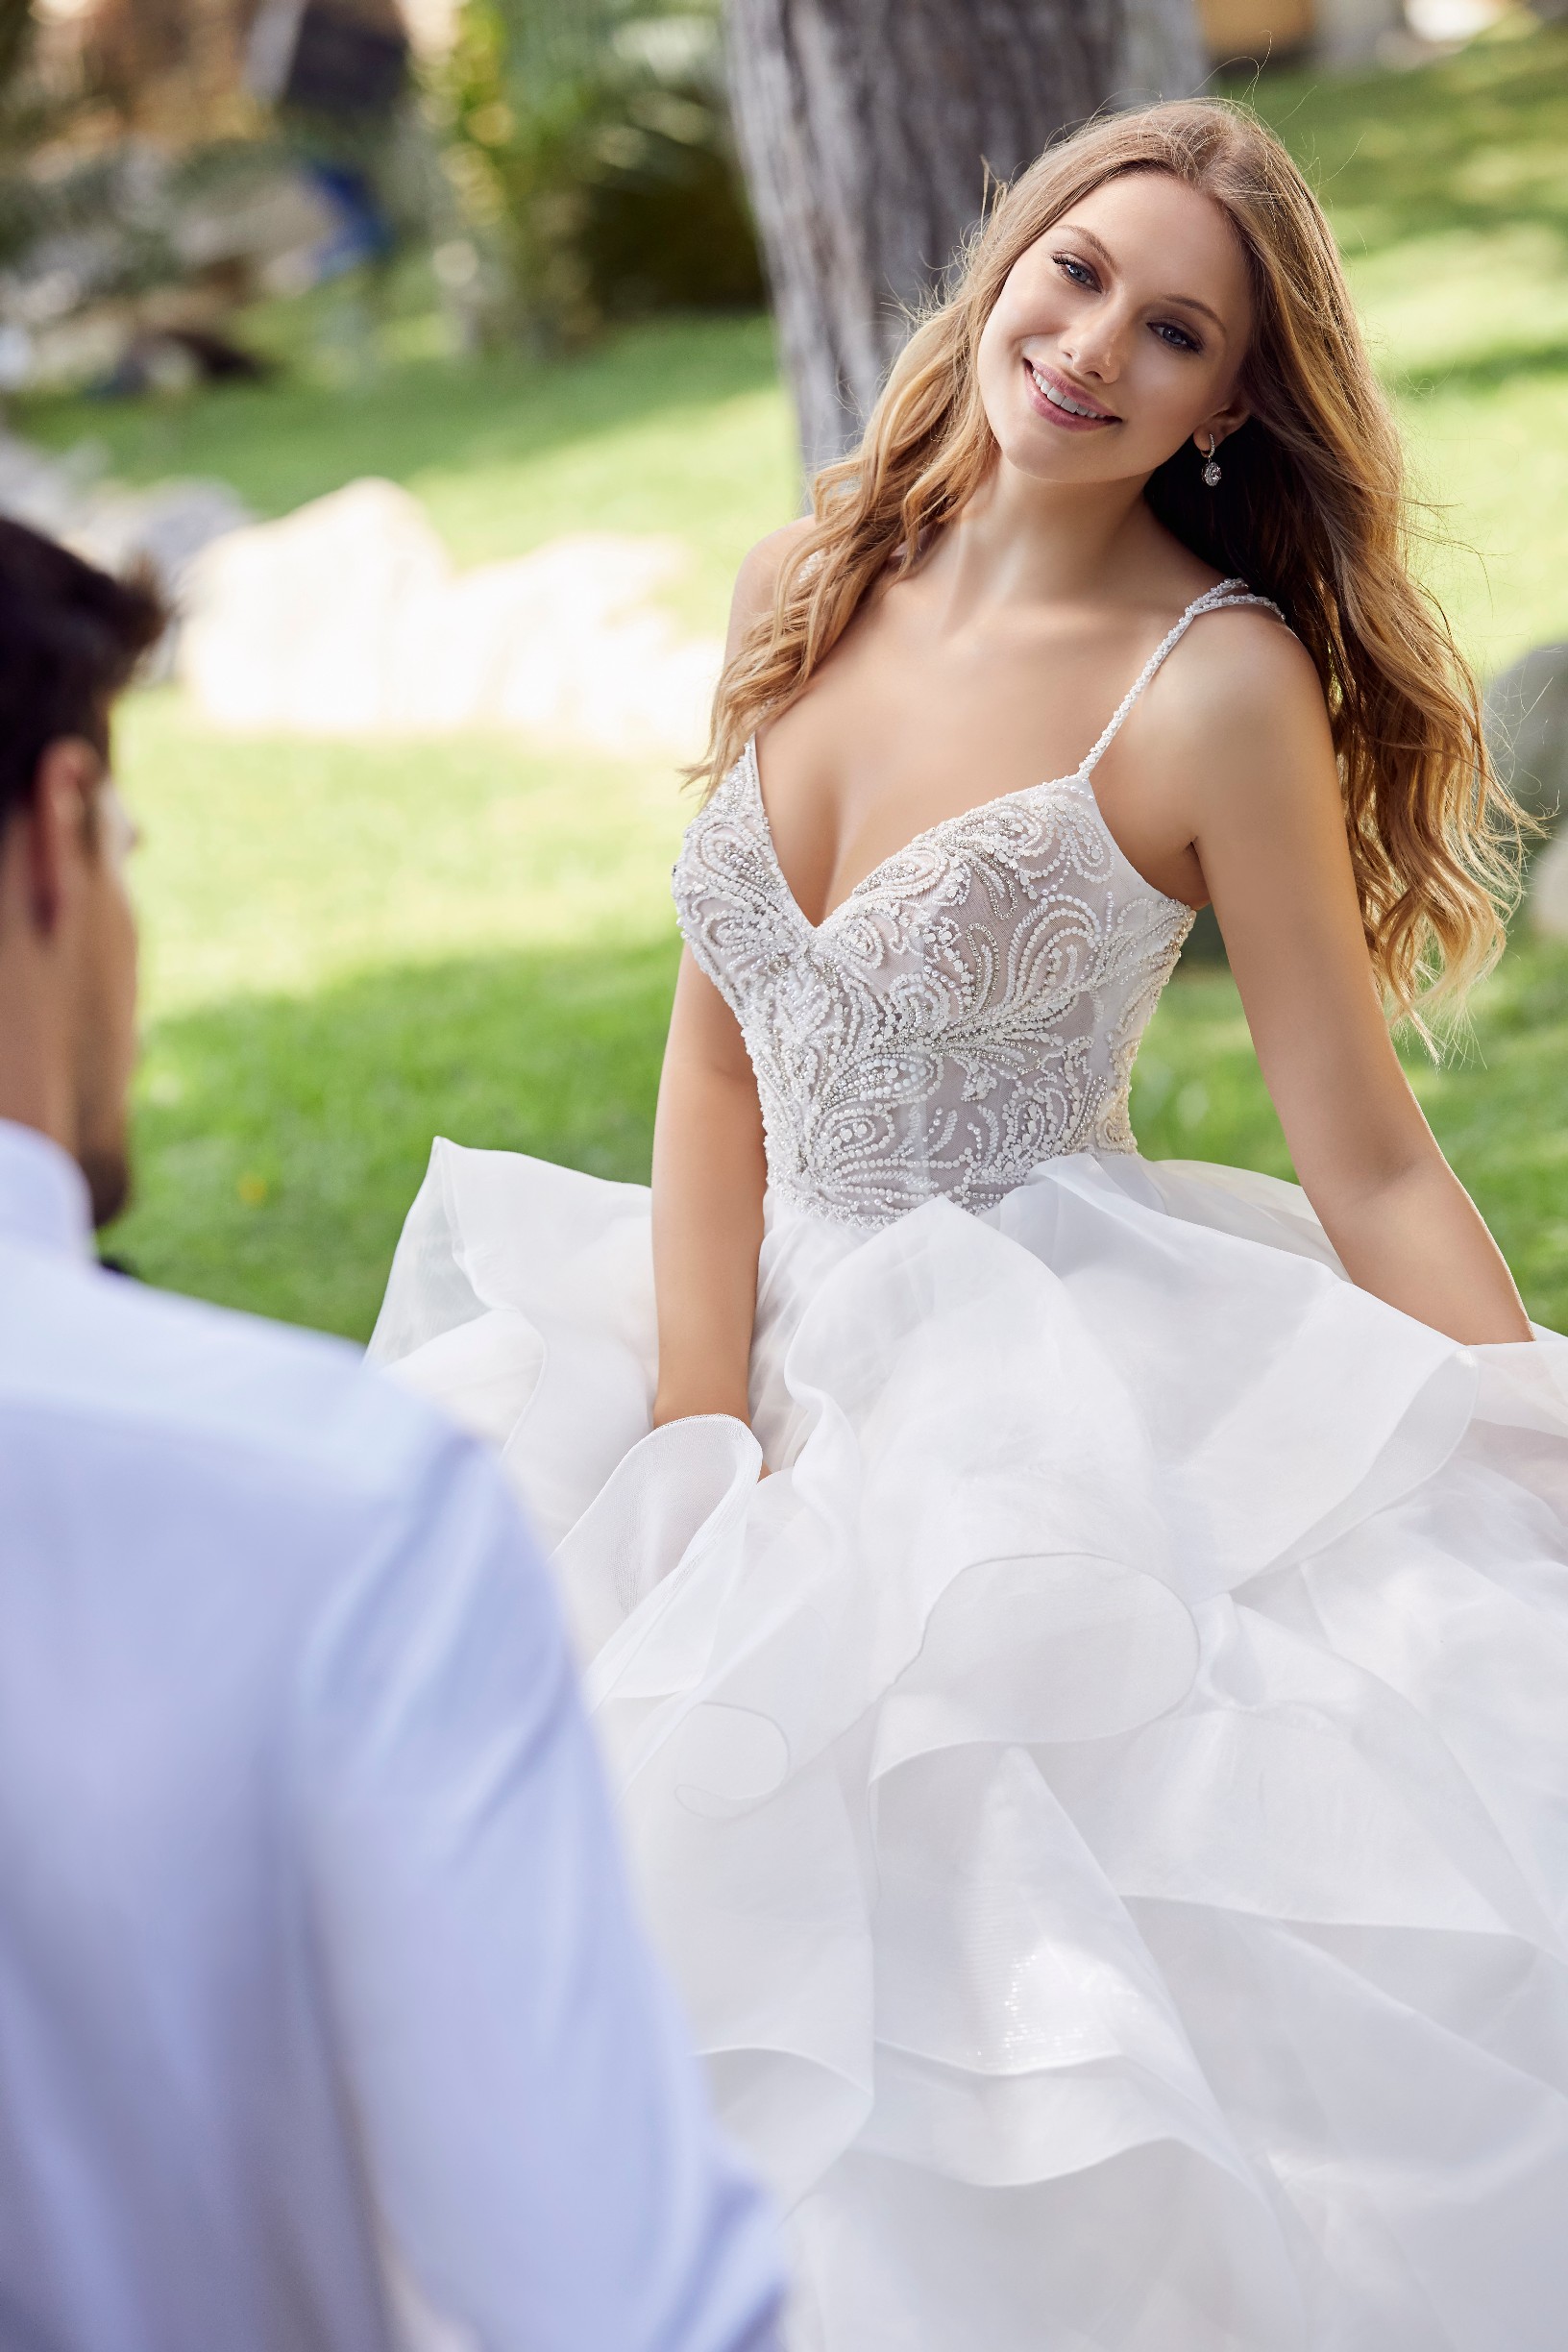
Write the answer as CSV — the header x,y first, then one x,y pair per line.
x,y
871,129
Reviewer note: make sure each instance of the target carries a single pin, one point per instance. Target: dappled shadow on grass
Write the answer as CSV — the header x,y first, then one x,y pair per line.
x,y
281,1141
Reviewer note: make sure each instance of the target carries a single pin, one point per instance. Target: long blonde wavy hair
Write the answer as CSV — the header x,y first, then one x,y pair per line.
x,y
1312,512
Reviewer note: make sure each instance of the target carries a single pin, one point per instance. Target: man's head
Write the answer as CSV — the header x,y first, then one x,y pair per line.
x,y
69,638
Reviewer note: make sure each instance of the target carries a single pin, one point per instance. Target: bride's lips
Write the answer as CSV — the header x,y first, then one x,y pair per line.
x,y
1037,377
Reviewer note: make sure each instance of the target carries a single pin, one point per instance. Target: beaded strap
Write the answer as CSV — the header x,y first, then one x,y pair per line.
x,y
1213,600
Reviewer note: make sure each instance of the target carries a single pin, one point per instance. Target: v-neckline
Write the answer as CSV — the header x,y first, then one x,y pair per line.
x,y
931,832
1213,600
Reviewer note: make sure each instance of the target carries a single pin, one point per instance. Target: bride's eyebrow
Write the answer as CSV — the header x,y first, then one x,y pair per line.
x,y
1178,302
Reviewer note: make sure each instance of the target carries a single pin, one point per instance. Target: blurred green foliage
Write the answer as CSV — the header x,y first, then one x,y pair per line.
x,y
588,140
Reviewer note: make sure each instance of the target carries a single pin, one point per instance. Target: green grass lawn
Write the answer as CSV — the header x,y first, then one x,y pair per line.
x,y
351,948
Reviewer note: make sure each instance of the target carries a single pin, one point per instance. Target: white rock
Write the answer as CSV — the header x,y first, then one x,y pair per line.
x,y
347,618
295,624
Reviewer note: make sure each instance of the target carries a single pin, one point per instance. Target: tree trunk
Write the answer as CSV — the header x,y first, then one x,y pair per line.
x,y
868,129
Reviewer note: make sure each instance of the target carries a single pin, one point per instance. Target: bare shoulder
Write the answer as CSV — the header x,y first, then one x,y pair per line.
x,y
758,577
1239,661
1241,706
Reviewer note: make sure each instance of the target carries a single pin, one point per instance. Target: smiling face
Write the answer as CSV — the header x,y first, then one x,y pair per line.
x,y
1118,335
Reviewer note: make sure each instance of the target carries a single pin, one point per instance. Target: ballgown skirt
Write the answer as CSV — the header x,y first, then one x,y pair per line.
x,y
1104,1797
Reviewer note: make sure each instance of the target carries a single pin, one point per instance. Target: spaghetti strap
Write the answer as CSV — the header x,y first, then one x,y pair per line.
x,y
1218,599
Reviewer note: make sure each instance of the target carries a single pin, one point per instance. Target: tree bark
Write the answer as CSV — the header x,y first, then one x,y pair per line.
x,y
869,129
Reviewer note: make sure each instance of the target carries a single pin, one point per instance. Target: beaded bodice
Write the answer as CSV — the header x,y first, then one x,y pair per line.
x,y
971,1008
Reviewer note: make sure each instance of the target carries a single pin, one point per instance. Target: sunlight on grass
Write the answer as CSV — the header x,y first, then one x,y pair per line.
x,y
274,866
354,946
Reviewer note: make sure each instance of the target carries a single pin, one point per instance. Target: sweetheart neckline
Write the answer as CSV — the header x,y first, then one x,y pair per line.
x,y
930,832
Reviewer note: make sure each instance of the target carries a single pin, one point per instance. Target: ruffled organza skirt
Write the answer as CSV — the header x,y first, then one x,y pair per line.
x,y
1105,1798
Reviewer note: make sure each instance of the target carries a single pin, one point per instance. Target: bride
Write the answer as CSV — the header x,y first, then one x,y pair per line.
x,y
1082,1641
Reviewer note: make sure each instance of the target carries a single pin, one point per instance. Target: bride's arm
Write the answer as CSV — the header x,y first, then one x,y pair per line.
x,y
709,1169
708,1180
1269,833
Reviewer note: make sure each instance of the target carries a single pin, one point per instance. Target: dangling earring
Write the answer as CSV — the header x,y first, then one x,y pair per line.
x,y
1211,472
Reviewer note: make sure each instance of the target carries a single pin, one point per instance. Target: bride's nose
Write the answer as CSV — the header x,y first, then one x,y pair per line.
x,y
1094,348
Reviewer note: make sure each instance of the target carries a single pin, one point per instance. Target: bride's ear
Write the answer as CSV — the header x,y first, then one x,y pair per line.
x,y
1222,424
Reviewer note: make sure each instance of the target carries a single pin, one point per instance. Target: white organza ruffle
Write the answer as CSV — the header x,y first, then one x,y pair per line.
x,y
1105,1797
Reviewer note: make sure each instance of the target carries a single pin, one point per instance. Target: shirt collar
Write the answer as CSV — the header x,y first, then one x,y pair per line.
x,y
44,1202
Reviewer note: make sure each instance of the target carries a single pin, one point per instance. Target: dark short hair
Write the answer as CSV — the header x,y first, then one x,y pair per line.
x,y
70,638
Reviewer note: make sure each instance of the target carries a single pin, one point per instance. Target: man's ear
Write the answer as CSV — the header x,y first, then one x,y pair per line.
x,y
59,828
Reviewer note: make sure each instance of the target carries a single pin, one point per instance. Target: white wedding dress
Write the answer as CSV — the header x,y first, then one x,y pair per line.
x,y
1105,1798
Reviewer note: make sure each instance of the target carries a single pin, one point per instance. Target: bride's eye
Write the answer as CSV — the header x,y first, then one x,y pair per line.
x,y
1071,267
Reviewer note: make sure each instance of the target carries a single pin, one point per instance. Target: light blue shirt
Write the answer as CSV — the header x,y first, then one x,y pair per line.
x,y
324,2019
